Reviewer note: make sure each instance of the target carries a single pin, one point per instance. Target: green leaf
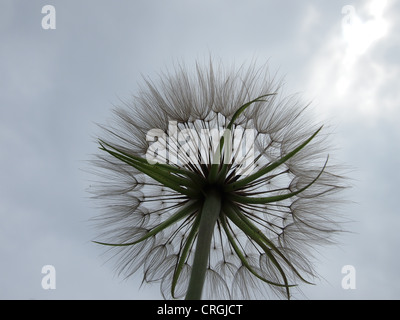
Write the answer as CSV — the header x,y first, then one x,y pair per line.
x,y
268,242
242,257
213,176
234,217
245,106
165,166
158,173
184,253
242,182
185,211
264,200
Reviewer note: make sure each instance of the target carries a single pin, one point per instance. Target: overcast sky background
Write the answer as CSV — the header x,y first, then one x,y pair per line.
x,y
56,84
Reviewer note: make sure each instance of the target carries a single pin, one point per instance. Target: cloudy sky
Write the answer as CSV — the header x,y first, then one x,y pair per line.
x,y
56,84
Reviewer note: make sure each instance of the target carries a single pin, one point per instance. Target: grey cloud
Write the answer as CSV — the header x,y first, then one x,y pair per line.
x,y
55,84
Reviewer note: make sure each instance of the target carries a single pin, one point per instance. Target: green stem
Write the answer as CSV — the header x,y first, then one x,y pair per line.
x,y
209,216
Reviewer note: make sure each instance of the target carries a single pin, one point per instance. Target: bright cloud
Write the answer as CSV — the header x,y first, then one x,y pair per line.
x,y
359,35
347,72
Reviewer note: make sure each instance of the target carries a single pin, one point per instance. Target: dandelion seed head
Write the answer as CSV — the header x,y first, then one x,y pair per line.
x,y
240,265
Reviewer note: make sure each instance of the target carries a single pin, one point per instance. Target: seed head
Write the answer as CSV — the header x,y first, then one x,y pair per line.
x,y
229,135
